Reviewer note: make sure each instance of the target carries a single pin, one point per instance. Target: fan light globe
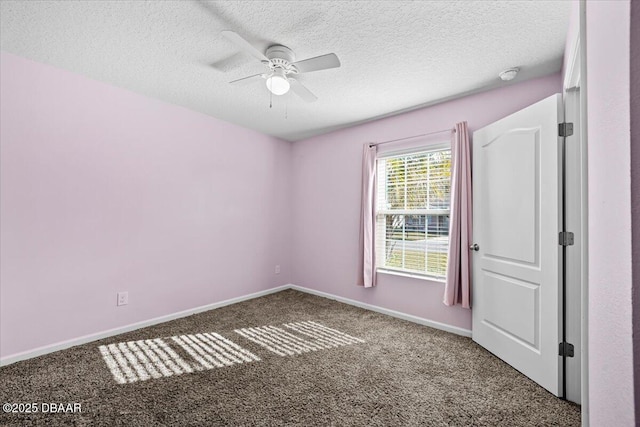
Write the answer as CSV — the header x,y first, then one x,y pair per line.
x,y
277,83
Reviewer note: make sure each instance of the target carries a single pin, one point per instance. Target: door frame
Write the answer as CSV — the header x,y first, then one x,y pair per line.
x,y
577,259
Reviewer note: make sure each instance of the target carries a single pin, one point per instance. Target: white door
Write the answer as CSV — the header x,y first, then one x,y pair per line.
x,y
517,218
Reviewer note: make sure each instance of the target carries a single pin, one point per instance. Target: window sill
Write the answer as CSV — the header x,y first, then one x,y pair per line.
x,y
411,275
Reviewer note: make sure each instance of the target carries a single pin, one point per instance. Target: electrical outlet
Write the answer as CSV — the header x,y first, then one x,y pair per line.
x,y
123,298
277,269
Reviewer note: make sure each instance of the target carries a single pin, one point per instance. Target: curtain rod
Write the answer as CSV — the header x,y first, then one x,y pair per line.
x,y
410,137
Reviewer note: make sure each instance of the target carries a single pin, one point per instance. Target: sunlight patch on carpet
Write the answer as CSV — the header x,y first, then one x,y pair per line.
x,y
155,358
213,350
284,343
142,360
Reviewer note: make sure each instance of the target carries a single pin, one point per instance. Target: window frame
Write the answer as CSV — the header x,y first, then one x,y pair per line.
x,y
398,271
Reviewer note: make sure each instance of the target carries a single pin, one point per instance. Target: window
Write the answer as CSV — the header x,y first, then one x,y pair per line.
x,y
412,218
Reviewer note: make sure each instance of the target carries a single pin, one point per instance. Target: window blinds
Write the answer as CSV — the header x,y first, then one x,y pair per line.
x,y
412,220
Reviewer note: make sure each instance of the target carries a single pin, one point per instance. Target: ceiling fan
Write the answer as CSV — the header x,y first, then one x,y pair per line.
x,y
282,67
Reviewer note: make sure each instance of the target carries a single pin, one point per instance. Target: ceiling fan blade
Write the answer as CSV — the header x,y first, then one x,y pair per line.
x,y
318,63
248,79
302,91
244,45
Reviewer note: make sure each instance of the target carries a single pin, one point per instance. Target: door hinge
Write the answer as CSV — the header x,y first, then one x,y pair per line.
x,y
565,238
565,349
565,129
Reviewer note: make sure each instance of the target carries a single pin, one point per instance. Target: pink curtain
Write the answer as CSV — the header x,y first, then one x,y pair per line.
x,y
367,253
458,287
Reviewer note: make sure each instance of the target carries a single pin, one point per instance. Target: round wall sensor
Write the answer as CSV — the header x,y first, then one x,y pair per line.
x,y
509,74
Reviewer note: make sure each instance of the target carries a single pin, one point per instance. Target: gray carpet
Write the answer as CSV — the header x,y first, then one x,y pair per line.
x,y
403,374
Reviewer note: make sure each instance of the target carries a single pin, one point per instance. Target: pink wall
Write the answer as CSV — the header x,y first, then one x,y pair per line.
x,y
611,394
634,49
103,190
326,200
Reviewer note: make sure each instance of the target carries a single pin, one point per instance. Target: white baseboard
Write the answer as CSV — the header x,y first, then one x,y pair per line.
x,y
116,331
409,317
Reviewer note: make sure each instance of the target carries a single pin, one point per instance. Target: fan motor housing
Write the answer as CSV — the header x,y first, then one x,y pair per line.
x,y
280,52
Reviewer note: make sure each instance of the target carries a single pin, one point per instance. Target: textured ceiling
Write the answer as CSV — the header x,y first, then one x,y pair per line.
x,y
395,55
